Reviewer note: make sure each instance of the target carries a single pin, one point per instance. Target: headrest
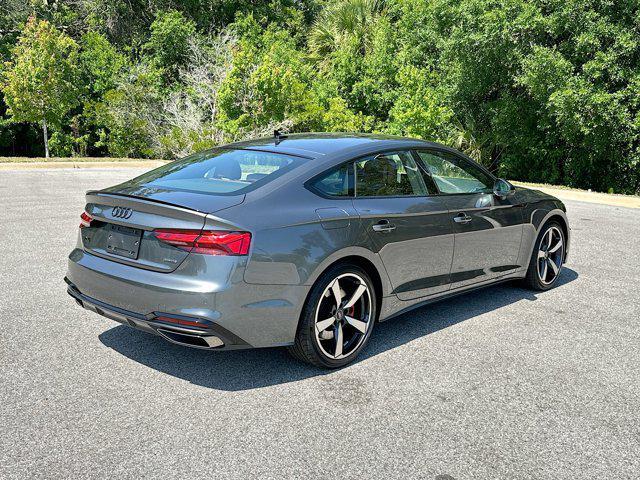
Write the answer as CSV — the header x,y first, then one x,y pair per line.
x,y
228,168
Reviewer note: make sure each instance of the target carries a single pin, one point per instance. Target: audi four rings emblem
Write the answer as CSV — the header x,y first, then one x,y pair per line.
x,y
121,212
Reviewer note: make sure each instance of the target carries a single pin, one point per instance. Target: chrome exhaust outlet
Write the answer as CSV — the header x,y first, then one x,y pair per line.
x,y
213,341
189,340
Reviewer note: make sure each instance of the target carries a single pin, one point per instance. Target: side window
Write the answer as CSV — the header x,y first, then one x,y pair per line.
x,y
454,174
390,175
336,183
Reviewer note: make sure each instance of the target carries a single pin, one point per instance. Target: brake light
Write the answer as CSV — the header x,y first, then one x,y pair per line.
x,y
85,220
207,242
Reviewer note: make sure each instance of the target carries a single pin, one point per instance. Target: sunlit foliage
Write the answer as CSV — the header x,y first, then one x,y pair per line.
x,y
542,90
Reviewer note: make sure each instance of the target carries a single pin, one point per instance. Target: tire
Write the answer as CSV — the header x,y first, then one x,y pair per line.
x,y
537,277
324,321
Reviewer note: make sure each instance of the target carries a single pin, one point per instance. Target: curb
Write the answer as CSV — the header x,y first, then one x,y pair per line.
x,y
628,201
58,165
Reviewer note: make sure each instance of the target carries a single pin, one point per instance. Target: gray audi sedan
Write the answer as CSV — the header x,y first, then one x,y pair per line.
x,y
306,241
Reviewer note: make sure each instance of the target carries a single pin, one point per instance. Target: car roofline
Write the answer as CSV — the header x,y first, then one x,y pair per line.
x,y
281,145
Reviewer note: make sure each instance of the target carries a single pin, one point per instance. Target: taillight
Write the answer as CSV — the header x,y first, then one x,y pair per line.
x,y
85,220
207,242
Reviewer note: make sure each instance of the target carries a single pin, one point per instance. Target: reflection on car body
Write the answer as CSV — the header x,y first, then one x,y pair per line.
x,y
306,241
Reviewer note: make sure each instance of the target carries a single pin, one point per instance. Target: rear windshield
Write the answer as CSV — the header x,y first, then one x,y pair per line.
x,y
220,172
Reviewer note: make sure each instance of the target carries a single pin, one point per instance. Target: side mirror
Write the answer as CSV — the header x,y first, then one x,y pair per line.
x,y
502,188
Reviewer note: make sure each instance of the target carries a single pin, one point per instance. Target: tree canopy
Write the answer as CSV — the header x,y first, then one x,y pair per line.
x,y
541,90
39,82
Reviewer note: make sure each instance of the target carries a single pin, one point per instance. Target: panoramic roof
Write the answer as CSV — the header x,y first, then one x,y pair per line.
x,y
318,144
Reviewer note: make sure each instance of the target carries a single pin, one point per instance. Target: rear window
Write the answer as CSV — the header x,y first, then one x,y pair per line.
x,y
336,183
219,172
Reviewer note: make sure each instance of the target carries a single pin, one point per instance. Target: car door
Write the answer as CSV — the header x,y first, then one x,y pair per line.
x,y
406,222
487,229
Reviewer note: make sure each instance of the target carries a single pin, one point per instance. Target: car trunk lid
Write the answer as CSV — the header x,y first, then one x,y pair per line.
x,y
200,202
122,226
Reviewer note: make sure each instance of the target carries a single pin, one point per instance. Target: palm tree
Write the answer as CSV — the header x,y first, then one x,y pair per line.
x,y
480,146
345,21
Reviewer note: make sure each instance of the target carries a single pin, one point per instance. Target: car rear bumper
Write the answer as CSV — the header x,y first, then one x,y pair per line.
x,y
214,295
208,336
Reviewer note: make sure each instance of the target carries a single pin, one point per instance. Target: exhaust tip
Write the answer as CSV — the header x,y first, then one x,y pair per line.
x,y
213,341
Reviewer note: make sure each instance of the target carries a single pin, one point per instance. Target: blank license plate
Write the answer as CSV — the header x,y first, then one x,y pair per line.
x,y
124,241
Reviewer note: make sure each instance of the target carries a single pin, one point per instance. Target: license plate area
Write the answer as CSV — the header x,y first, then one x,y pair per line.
x,y
124,241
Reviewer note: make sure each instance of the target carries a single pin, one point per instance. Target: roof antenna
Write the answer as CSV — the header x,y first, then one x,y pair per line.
x,y
278,136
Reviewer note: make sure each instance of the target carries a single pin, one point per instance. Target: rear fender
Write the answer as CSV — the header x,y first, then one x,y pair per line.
x,y
356,252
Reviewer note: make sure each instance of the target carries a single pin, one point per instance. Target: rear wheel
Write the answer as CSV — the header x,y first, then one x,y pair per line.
x,y
547,258
337,319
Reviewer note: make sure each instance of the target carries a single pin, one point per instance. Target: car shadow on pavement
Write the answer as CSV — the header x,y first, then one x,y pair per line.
x,y
249,369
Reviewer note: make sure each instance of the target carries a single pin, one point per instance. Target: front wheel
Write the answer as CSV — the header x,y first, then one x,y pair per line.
x,y
547,258
337,319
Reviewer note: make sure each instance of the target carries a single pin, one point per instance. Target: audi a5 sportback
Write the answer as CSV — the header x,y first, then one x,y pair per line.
x,y
306,241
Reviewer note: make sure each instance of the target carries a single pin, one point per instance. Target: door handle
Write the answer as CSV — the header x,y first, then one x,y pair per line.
x,y
462,218
384,226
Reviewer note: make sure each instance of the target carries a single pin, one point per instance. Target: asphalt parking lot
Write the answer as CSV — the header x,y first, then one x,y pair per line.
x,y
501,383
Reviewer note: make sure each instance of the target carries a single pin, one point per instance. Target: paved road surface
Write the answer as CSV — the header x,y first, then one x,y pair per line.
x,y
501,383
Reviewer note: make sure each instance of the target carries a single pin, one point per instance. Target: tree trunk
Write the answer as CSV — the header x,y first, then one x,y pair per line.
x,y
46,138
561,170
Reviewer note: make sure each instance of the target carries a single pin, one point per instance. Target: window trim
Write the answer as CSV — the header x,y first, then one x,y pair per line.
x,y
409,151
309,184
458,155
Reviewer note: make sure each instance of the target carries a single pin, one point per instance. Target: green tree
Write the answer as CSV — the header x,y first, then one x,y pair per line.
x,y
542,90
100,63
538,90
168,45
268,84
39,82
130,114
419,109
